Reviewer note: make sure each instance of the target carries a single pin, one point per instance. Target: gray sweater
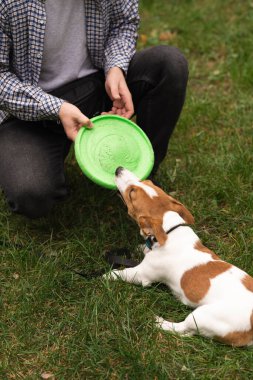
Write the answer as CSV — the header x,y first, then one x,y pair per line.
x,y
65,54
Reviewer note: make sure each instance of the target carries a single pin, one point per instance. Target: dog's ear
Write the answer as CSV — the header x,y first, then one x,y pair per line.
x,y
153,227
186,215
182,211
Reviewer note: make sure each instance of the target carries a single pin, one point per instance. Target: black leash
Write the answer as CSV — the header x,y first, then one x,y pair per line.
x,y
120,257
116,258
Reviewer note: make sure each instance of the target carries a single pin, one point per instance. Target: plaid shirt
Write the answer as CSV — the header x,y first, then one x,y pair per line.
x,y
111,39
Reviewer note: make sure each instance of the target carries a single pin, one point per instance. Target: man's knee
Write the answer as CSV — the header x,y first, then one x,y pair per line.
x,y
31,202
163,66
172,63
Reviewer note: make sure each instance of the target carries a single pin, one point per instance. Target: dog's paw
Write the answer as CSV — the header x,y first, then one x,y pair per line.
x,y
110,275
158,321
163,324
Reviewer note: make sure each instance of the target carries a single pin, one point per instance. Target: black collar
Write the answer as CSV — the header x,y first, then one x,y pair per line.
x,y
151,239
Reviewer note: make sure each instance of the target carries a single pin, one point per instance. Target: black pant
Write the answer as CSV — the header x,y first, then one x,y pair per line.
x,y
32,153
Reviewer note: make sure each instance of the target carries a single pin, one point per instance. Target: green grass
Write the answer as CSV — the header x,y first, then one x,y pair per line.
x,y
54,321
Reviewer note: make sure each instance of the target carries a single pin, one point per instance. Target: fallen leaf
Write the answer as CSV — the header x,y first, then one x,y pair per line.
x,y
143,38
167,36
47,375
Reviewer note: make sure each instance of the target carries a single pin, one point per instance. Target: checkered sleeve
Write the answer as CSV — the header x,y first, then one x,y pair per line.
x,y
121,43
26,102
20,99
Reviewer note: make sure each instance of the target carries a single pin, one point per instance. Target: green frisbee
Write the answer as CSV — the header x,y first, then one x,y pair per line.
x,y
112,142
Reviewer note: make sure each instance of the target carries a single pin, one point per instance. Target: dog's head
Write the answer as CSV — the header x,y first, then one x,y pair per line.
x,y
147,204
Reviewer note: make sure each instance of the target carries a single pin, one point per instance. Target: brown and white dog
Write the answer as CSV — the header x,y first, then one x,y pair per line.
x,y
220,293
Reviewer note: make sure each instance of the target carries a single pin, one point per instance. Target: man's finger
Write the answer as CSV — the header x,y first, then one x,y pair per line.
x,y
129,103
128,114
119,112
84,121
107,113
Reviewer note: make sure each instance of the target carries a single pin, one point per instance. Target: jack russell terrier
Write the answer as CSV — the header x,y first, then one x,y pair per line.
x,y
220,293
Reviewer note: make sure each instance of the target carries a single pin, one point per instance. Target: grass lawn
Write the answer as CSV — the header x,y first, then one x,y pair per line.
x,y
56,322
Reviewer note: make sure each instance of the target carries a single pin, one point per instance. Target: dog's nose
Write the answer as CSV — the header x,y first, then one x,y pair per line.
x,y
118,170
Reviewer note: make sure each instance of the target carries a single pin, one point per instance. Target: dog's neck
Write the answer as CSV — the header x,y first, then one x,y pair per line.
x,y
171,222
171,219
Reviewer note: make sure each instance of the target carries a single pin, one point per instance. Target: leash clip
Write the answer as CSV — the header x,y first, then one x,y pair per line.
x,y
150,242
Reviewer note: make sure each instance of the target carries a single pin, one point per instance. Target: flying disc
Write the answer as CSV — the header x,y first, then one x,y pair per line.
x,y
112,142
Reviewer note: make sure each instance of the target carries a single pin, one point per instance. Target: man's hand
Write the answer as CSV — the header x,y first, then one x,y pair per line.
x,y
119,93
72,120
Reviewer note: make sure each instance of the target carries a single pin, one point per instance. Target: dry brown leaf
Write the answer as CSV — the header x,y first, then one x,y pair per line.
x,y
47,375
143,38
167,36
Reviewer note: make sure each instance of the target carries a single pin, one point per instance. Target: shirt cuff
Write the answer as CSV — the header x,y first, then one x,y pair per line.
x,y
50,107
117,61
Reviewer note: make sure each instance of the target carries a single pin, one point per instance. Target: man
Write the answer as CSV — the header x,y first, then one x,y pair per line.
x,y
62,62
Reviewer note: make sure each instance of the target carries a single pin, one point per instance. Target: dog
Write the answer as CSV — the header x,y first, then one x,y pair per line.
x,y
220,293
